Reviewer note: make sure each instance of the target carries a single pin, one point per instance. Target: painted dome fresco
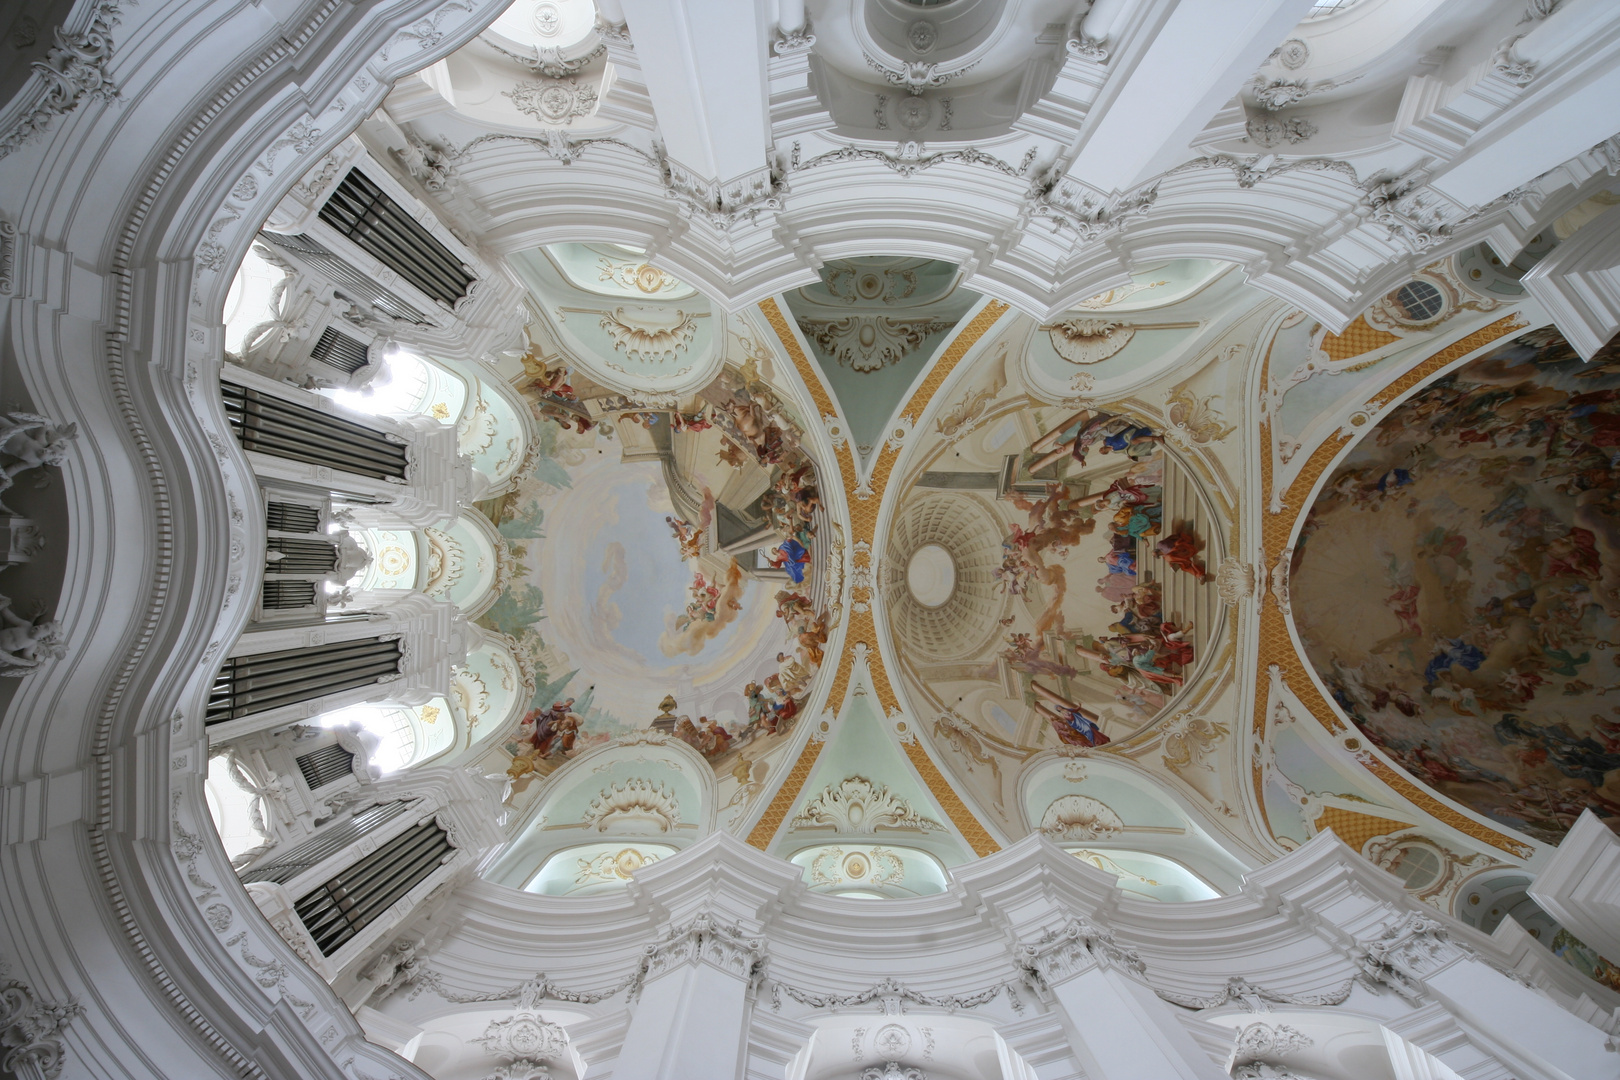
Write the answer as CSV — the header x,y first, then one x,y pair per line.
x,y
667,551
908,525
1457,585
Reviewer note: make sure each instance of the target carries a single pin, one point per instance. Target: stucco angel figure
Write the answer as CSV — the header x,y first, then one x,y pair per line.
x,y
25,644
34,441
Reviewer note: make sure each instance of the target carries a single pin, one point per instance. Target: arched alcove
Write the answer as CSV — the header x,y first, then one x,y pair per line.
x,y
655,796
1117,818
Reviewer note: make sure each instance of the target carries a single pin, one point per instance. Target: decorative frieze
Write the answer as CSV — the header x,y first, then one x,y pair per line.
x,y
1257,999
537,989
892,996
525,1037
1080,817
1403,953
893,1070
857,805
868,343
915,76
72,71
650,344
553,101
1258,1041
636,798
1088,340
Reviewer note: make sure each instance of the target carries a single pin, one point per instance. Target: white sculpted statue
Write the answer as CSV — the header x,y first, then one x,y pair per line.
x,y
27,643
34,441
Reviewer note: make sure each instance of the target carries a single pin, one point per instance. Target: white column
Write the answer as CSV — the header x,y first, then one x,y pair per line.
x,y
1580,886
697,994
705,68
1118,1027
1579,285
1525,1029
1544,98
1201,55
1099,20
696,1000
789,15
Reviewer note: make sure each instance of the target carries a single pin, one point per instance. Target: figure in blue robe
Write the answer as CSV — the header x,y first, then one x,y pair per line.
x,y
1081,731
793,558
1452,651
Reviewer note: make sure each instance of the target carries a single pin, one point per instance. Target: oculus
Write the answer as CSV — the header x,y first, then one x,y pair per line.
x,y
931,575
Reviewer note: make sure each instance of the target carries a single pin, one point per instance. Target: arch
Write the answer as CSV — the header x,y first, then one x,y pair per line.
x,y
645,788
468,563
490,691
1120,806
946,1046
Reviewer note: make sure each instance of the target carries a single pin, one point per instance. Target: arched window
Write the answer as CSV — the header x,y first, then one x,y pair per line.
x,y
231,807
408,385
406,734
250,303
1323,8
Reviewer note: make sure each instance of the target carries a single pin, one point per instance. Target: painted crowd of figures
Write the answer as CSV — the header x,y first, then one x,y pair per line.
x,y
1488,505
1142,650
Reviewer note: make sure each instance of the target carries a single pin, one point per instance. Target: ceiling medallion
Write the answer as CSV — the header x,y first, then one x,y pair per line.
x,y
547,19
849,283
913,113
892,1041
553,102
921,35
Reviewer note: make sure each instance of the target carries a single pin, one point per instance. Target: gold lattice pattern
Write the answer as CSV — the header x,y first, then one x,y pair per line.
x,y
1356,829
776,813
863,513
976,835
1357,338
1275,641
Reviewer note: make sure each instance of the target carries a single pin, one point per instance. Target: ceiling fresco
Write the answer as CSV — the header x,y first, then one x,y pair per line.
x,y
1457,585
666,569
1084,598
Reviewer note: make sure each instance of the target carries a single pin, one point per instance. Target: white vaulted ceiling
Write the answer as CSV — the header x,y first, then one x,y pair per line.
x,y
738,569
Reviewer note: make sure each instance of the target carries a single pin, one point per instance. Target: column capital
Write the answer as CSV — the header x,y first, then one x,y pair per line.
x,y
1073,949
1404,952
705,940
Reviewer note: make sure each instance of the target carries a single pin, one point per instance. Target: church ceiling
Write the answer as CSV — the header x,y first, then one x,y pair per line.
x,y
873,324
554,476
1035,561
1456,585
